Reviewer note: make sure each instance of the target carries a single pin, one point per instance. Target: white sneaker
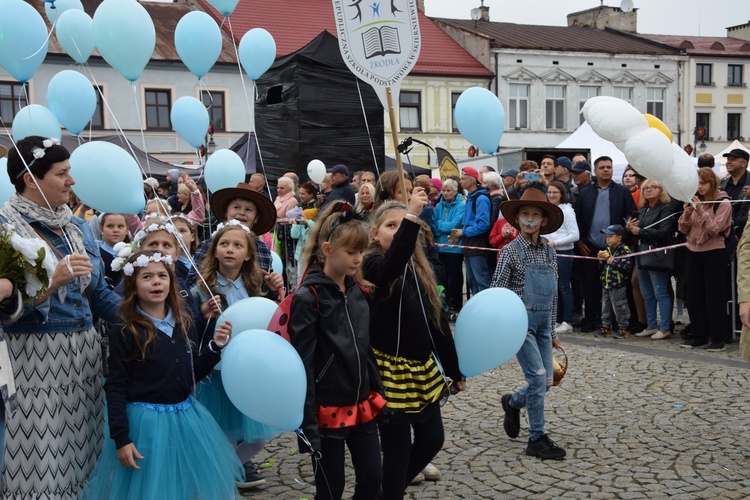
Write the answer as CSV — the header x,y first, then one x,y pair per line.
x,y
557,326
564,328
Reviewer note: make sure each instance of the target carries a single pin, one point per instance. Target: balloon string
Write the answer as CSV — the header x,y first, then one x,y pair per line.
x,y
78,49
45,43
367,126
140,126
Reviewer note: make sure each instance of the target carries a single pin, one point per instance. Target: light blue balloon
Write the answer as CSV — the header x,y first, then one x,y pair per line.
x,y
72,99
265,379
257,52
225,7
6,188
197,39
75,34
35,119
224,169
55,9
23,39
252,313
480,118
190,120
276,264
125,36
490,329
107,178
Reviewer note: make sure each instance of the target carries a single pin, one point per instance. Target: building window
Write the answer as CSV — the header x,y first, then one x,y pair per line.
x,y
585,94
12,99
518,106
454,100
215,103
733,126
555,106
702,120
158,107
409,111
97,121
655,102
703,74
624,93
734,75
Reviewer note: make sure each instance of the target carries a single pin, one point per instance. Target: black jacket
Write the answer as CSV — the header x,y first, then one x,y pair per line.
x,y
343,191
330,331
621,206
662,234
739,210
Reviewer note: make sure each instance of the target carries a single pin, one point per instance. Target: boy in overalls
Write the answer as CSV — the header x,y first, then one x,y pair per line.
x,y
528,267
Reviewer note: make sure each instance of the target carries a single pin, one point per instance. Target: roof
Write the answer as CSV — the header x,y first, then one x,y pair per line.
x,y
720,46
294,23
165,17
560,38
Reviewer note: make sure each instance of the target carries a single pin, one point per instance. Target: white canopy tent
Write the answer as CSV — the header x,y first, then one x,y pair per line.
x,y
585,138
719,157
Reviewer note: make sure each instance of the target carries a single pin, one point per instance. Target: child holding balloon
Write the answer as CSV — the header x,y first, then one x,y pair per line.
x,y
528,263
163,443
231,272
329,325
411,340
113,229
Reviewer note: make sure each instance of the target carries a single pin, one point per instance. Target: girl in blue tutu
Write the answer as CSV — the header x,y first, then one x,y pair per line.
x,y
163,444
231,272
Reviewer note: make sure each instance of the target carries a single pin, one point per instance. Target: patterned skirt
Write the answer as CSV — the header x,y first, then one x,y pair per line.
x,y
54,438
410,385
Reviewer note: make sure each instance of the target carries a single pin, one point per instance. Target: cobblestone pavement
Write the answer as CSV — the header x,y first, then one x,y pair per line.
x,y
639,419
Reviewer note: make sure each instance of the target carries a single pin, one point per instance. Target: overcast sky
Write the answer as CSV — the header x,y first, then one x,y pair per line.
x,y
667,17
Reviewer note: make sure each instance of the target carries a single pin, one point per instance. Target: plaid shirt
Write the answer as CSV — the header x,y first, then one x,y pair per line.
x,y
263,255
510,272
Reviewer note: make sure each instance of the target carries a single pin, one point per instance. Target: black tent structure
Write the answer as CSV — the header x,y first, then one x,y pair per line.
x,y
310,107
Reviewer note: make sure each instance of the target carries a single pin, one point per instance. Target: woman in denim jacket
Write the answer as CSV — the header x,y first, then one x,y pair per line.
x,y
54,437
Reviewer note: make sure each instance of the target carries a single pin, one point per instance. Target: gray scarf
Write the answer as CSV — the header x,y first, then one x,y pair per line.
x,y
19,207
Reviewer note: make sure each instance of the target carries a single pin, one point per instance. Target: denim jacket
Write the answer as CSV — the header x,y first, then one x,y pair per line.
x,y
75,314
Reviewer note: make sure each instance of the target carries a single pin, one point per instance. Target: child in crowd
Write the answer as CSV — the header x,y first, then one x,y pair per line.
x,y
163,443
232,274
329,326
189,237
529,264
614,279
411,340
113,229
502,233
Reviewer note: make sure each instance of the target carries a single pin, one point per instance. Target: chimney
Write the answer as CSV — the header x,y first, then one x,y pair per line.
x,y
741,31
480,13
485,12
606,17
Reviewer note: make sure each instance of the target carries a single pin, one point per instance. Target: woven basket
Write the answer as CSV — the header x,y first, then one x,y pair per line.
x,y
558,369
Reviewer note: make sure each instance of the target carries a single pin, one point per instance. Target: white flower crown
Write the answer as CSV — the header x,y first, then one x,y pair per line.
x,y
143,261
46,143
125,250
233,222
181,217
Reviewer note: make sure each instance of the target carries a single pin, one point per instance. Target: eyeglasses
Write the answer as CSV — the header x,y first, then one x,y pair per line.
x,y
649,188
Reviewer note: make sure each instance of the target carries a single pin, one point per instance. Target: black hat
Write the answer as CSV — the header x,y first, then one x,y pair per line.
x,y
738,153
581,166
614,229
339,169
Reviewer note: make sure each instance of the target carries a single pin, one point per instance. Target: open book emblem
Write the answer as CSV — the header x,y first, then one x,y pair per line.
x,y
381,41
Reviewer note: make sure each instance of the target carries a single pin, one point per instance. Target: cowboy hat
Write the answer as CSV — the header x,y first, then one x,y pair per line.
x,y
264,219
535,198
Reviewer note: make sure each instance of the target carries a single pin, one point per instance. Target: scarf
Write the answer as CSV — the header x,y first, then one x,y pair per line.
x,y
19,207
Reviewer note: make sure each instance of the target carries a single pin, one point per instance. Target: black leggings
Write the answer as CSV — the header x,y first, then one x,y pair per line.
x,y
404,459
363,444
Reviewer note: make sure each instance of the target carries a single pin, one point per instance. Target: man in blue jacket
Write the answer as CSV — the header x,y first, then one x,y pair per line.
x,y
597,207
475,230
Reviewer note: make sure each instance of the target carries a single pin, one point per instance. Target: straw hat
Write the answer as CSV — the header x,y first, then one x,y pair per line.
x,y
533,197
266,216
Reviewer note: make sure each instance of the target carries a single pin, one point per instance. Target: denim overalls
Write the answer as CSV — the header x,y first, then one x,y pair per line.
x,y
535,356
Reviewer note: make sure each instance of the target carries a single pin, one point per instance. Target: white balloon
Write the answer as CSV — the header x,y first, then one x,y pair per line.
x,y
682,181
316,171
613,119
650,154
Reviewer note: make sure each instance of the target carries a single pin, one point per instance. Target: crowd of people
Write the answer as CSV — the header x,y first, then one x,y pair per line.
x,y
378,266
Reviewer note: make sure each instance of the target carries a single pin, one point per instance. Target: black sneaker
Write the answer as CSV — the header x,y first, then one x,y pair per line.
x,y
252,476
512,421
693,343
716,347
544,448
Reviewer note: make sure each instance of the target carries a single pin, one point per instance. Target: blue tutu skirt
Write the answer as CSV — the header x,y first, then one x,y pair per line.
x,y
235,424
185,455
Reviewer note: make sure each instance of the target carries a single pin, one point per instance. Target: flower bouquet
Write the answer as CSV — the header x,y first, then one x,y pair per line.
x,y
25,262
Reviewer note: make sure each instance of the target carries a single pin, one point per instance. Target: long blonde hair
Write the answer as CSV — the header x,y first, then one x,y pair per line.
x,y
419,264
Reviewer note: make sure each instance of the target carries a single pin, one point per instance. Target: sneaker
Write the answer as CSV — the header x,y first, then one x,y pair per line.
x,y
417,479
687,332
648,332
431,473
544,448
564,328
602,333
252,476
512,421
693,343
661,335
716,347
620,335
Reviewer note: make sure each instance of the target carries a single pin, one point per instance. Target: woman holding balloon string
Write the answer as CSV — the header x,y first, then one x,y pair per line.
x,y
188,200
163,444
54,347
231,273
415,353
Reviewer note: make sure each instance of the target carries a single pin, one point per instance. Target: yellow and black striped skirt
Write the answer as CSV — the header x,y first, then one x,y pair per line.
x,y
410,385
